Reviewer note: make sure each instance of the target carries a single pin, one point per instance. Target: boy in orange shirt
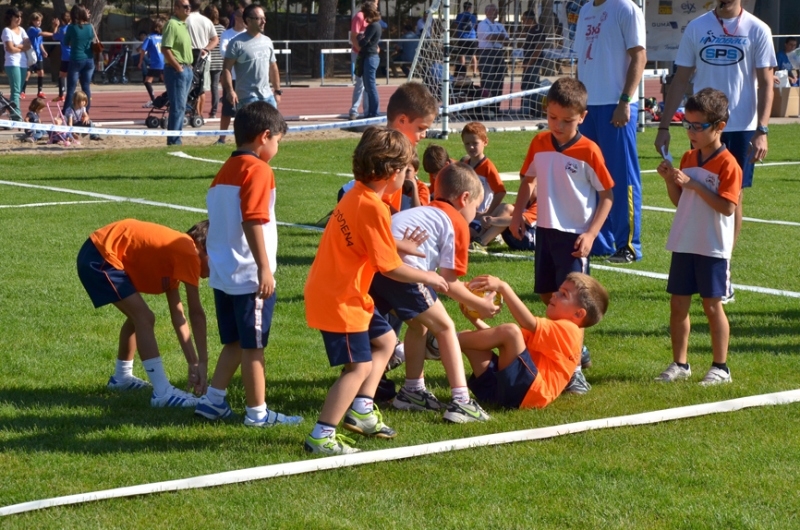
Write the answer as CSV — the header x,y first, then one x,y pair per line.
x,y
537,355
242,247
356,243
129,257
475,139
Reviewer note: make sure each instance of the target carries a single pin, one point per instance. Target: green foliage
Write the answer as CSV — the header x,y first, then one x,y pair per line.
x,y
62,432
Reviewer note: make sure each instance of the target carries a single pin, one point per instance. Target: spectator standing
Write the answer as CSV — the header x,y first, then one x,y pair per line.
x,y
212,13
610,46
60,34
79,37
357,27
204,38
789,45
746,80
15,44
176,45
369,54
466,43
228,110
491,38
405,50
535,40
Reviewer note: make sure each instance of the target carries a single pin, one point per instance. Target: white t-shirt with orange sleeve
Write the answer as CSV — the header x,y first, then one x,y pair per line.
x,y
568,178
491,182
356,243
698,228
155,258
243,190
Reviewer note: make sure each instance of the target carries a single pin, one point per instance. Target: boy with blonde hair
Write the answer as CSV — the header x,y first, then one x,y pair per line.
x,y
446,223
567,171
242,248
537,356
129,257
358,241
706,191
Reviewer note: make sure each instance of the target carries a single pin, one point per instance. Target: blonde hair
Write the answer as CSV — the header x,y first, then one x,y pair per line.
x,y
457,178
592,297
380,154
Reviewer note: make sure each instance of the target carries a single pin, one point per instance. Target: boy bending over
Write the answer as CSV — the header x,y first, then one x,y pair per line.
x,y
358,241
537,356
129,257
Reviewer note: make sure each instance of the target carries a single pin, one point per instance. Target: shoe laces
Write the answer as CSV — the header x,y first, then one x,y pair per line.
x,y
343,440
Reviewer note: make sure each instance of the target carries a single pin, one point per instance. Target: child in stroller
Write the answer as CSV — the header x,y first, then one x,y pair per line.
x,y
157,117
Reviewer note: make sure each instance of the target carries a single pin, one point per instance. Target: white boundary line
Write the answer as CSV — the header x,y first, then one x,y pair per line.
x,y
117,198
37,204
181,154
399,453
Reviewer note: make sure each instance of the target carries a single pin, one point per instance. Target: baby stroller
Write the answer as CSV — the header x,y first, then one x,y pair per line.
x,y
7,107
157,117
116,71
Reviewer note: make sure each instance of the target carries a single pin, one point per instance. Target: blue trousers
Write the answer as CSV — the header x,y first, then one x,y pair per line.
x,y
178,85
79,71
618,144
371,63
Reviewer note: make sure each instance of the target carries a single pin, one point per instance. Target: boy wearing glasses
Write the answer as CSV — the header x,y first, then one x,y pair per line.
x,y
706,191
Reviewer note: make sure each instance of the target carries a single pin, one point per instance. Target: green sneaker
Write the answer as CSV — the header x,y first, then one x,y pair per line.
x,y
335,444
368,424
465,412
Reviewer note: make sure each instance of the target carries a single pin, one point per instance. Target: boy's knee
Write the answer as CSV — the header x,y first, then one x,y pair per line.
x,y
362,369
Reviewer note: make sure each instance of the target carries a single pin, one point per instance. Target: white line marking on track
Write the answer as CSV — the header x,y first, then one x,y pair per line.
x,y
399,453
646,274
36,204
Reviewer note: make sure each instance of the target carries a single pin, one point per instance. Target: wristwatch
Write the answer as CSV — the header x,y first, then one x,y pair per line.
x,y
625,98
278,92
763,129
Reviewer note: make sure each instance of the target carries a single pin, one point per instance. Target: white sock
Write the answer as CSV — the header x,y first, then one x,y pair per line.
x,y
363,405
414,385
216,396
257,413
157,376
578,369
322,430
460,394
124,370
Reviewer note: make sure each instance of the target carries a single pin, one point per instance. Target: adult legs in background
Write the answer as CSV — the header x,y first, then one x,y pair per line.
x,y
371,63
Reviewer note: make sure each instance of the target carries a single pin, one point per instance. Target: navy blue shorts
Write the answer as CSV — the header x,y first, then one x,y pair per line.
x,y
103,283
475,225
228,109
528,241
738,143
407,300
244,318
155,74
35,67
507,387
692,273
553,259
346,348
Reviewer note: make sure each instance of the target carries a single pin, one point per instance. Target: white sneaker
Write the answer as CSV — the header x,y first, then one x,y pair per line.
x,y
674,373
174,398
716,376
129,383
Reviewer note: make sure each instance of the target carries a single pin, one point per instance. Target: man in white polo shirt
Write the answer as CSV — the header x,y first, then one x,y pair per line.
x,y
491,56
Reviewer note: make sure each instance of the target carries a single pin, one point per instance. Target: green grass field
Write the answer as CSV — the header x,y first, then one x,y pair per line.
x,y
62,432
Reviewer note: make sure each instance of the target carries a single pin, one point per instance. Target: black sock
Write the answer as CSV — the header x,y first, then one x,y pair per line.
x,y
61,83
722,366
685,366
149,87
39,81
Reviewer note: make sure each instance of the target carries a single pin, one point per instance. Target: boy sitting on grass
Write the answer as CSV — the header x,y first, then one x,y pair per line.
x,y
706,190
129,257
434,159
537,356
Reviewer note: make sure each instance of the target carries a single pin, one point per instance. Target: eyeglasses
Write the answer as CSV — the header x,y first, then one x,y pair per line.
x,y
696,126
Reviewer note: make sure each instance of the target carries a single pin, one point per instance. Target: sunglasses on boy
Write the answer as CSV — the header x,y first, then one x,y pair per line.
x,y
696,126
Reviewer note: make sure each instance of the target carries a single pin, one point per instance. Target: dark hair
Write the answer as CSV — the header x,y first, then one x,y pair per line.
x,y
711,103
790,39
434,159
380,153
467,5
79,15
212,13
11,13
255,118
415,161
412,99
248,11
158,25
195,5
199,233
37,104
371,13
66,18
569,93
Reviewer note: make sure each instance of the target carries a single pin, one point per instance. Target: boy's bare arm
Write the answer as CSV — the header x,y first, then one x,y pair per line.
x,y
527,189
184,334
197,319
583,245
254,234
461,294
516,307
498,198
673,190
406,274
717,203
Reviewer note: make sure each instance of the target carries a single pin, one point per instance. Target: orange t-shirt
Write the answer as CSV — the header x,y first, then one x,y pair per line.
x,y
395,200
356,243
555,349
424,193
491,182
530,212
154,257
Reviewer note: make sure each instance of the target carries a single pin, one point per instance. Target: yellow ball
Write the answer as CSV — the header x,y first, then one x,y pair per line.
x,y
497,300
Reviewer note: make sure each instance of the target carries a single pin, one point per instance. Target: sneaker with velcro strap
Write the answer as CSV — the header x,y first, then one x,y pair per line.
x,y
674,372
271,419
174,398
416,400
716,376
335,444
211,411
458,412
369,424
125,384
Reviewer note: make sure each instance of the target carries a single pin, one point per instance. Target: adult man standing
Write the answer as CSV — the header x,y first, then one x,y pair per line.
x,y
176,45
466,22
491,57
204,38
357,26
253,57
535,40
610,48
